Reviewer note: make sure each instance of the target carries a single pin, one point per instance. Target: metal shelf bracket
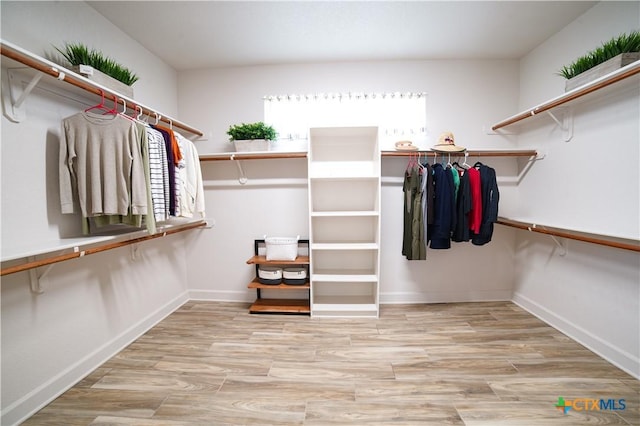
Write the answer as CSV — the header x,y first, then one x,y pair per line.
x,y
242,178
35,278
13,95
566,125
562,247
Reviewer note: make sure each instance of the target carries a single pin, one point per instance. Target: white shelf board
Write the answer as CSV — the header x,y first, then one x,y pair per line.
x,y
229,154
350,213
343,169
23,251
344,303
580,94
343,276
344,246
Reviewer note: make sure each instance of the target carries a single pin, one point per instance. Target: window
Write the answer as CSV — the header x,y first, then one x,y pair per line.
x,y
396,114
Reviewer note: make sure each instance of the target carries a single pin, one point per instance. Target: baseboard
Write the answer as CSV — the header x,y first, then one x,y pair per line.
x,y
385,298
28,405
616,356
444,296
221,295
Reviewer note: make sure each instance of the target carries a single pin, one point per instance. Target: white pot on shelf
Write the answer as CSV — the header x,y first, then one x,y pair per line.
x,y
251,145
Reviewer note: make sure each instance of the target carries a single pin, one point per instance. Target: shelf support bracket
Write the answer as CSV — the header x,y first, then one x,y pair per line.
x,y
566,125
35,279
242,178
14,110
562,247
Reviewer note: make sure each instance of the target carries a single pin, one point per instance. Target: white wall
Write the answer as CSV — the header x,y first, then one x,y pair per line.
x,y
91,307
463,96
591,184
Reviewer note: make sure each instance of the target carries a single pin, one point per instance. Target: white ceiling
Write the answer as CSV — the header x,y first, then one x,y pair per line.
x,y
204,34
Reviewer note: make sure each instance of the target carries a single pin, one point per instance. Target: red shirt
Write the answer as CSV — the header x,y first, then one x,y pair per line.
x,y
475,214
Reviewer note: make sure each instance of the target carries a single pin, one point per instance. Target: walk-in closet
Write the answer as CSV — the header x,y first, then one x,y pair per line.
x,y
444,230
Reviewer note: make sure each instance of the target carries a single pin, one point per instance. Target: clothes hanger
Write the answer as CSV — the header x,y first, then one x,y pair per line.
x,y
411,161
100,105
465,165
134,113
419,165
124,110
113,110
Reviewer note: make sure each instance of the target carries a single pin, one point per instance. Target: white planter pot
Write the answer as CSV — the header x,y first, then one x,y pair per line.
x,y
604,68
104,79
251,145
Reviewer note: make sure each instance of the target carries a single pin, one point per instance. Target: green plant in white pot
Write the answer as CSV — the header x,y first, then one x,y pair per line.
x,y
94,65
251,136
611,55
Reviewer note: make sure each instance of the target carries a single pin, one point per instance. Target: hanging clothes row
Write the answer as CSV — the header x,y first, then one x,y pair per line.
x,y
446,202
120,170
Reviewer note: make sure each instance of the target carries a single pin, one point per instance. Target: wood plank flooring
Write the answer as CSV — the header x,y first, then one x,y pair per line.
x,y
474,364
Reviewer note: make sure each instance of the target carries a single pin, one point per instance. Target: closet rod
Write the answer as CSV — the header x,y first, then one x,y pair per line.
x,y
94,250
561,233
524,153
60,73
607,80
247,156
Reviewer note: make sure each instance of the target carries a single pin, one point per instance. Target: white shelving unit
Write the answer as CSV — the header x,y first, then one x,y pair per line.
x,y
344,205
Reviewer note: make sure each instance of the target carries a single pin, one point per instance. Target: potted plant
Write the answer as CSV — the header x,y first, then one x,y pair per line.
x,y
95,66
613,54
252,136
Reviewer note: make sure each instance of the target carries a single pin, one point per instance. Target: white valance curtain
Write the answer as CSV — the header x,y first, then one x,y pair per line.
x,y
396,114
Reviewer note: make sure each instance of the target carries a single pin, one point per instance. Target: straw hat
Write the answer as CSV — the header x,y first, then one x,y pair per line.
x,y
406,146
446,144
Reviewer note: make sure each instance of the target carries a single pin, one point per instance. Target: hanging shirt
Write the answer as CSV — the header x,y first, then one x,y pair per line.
x,y
171,166
490,199
456,181
427,190
418,247
444,214
101,166
158,174
410,187
475,214
463,206
192,192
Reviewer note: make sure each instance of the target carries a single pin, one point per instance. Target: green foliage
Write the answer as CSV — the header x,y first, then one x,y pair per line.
x,y
79,54
622,44
240,132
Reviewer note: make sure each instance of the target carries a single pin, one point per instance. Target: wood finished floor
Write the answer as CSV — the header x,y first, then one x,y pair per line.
x,y
447,364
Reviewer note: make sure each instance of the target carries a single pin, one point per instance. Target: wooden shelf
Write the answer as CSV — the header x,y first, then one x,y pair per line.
x,y
255,284
262,260
621,74
280,306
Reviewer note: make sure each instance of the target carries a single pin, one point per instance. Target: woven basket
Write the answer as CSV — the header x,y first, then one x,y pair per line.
x,y
282,248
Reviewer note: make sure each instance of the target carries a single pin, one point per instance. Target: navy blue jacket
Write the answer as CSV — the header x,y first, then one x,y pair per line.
x,y
444,209
490,198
